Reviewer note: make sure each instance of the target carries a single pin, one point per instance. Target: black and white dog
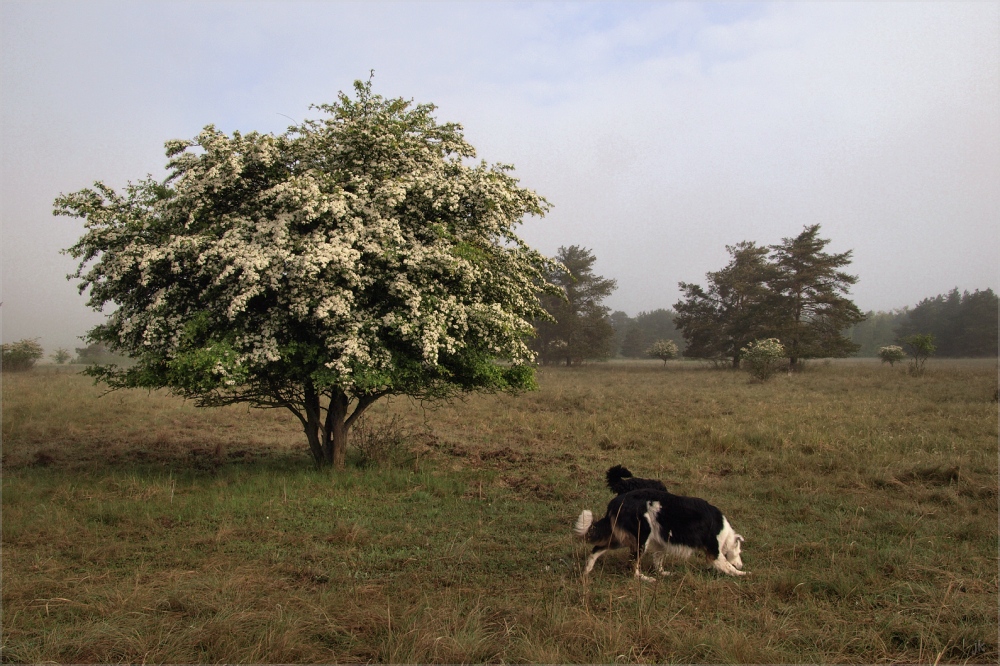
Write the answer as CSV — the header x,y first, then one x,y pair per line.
x,y
649,520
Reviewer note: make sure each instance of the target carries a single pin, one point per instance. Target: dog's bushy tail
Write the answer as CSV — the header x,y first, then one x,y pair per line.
x,y
583,523
599,532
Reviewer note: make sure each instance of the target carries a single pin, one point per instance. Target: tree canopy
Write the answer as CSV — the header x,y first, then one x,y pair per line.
x,y
810,308
355,256
793,291
718,322
962,323
578,327
876,331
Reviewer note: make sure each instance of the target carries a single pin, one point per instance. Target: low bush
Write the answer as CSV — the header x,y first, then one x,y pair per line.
x,y
891,354
377,442
921,347
763,357
21,355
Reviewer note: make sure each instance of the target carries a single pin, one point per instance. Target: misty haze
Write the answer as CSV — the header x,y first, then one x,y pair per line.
x,y
493,332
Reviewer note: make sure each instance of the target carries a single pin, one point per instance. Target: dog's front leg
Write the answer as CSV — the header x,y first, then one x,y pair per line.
x,y
723,565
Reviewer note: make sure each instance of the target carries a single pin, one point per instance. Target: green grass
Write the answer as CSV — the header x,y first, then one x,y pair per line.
x,y
137,528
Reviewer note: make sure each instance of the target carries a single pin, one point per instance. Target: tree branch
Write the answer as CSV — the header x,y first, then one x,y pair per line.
x,y
364,402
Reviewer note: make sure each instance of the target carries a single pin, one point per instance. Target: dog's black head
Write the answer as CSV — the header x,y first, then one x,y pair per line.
x,y
620,480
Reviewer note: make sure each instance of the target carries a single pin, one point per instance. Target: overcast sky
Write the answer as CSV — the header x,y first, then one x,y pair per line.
x,y
660,132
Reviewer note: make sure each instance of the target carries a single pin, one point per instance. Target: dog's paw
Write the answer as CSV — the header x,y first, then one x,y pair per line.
x,y
644,578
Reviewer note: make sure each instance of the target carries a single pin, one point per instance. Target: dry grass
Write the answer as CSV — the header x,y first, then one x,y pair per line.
x,y
137,528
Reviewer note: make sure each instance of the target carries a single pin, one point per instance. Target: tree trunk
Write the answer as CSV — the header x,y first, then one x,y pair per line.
x,y
328,435
793,357
311,424
336,430
315,446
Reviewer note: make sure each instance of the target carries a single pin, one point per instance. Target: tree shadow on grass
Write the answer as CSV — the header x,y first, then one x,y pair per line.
x,y
98,457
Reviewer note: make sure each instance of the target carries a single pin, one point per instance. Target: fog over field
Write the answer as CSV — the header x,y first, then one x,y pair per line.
x,y
660,132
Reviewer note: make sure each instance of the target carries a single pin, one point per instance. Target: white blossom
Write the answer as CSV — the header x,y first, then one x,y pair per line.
x,y
342,251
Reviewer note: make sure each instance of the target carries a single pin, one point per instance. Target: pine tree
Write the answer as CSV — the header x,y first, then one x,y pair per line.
x,y
581,328
718,322
979,315
793,291
808,302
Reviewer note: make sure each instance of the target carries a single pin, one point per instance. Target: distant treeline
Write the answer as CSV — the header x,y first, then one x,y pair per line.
x,y
99,354
963,325
635,335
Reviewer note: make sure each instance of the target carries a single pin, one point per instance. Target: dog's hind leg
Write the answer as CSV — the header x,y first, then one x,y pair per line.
x,y
592,560
638,571
641,576
658,562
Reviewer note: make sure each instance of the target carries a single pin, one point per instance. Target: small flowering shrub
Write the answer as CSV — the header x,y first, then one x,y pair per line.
x,y
763,357
891,354
21,355
663,350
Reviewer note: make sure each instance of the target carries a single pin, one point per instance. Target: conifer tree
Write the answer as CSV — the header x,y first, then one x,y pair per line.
x,y
580,327
793,291
809,307
718,322
962,324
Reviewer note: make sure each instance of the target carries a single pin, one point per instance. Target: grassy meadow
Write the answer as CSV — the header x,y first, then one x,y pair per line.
x,y
137,528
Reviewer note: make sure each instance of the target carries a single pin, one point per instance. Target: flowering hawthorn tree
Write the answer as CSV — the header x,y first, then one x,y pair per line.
x,y
663,350
355,256
891,353
762,357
